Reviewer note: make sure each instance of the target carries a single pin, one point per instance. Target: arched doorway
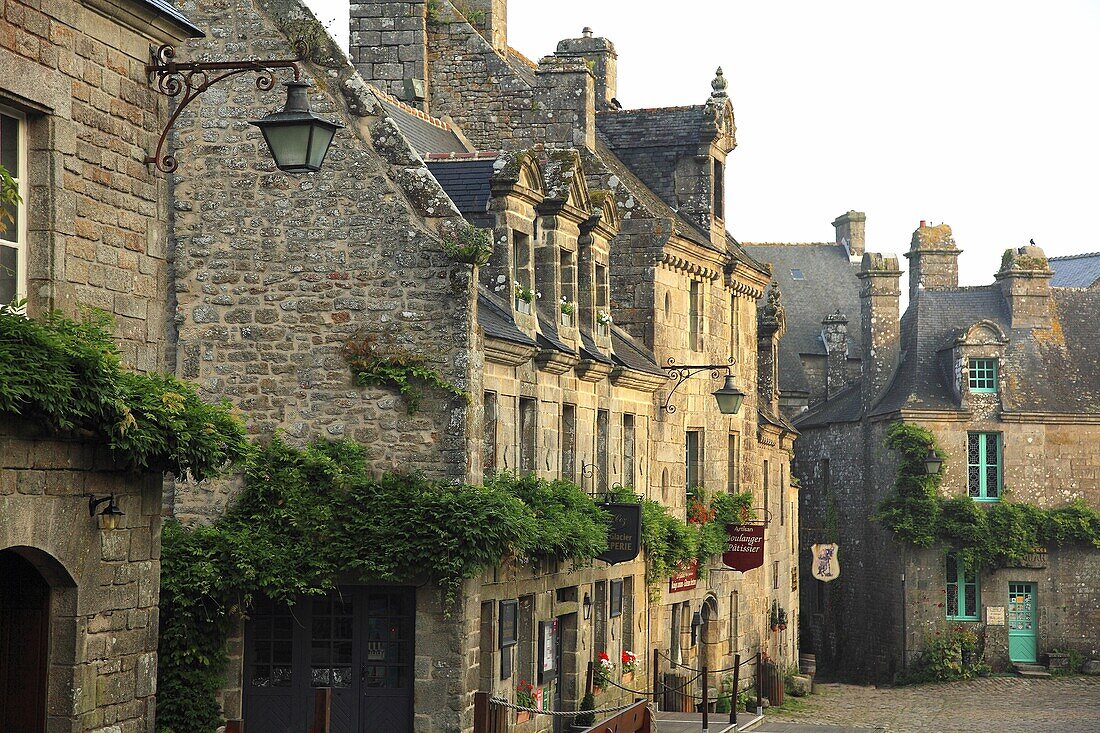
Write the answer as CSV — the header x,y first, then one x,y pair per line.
x,y
24,647
711,634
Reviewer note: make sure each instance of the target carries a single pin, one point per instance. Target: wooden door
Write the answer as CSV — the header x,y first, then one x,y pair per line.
x,y
1022,646
24,635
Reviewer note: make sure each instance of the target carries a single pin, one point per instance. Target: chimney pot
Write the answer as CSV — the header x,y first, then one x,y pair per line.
x,y
923,223
586,32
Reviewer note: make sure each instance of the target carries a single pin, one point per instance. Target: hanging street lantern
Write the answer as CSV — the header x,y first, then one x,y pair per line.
x,y
297,138
729,398
932,462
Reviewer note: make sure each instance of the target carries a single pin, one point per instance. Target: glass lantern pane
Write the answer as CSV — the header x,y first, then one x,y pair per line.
x,y
318,146
289,144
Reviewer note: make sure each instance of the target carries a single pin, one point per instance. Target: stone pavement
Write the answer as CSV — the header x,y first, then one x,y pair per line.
x,y
990,705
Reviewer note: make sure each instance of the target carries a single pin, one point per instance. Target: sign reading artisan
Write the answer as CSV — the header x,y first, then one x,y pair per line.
x,y
744,546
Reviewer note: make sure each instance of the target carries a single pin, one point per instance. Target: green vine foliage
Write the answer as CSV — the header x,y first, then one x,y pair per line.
x,y
671,542
986,535
66,374
307,514
398,369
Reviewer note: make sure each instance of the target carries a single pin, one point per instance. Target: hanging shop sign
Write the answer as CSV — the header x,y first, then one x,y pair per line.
x,y
825,566
744,546
686,577
624,535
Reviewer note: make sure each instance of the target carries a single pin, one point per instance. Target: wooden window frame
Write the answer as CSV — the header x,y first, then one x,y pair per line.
x,y
982,375
977,473
16,236
959,580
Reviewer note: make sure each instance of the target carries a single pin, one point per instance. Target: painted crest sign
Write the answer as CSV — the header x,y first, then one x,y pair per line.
x,y
825,565
744,546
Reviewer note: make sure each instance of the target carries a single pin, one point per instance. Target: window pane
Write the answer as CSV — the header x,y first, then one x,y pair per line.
x,y
569,442
992,466
9,145
952,599
9,275
489,445
970,600
973,458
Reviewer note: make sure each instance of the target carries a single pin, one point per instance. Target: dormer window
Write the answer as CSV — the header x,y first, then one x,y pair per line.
x,y
567,303
719,189
523,277
603,310
983,376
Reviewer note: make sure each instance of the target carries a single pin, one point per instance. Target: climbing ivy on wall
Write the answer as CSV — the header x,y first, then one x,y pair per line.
x,y
671,542
66,375
306,514
395,368
984,535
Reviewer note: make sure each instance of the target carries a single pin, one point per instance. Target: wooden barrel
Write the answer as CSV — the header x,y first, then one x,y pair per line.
x,y
807,664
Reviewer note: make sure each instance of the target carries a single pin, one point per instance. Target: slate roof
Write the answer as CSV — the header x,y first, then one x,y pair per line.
x,y
172,13
548,337
627,352
425,133
495,318
1045,370
652,141
829,284
1075,271
466,181
844,407
589,350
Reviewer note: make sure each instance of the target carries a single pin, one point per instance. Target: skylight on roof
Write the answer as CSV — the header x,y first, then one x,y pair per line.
x,y
796,274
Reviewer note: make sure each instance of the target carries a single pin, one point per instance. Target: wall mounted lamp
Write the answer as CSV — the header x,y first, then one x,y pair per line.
x,y
108,518
728,396
932,462
297,138
586,606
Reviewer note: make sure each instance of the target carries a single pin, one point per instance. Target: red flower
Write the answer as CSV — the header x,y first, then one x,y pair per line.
x,y
602,656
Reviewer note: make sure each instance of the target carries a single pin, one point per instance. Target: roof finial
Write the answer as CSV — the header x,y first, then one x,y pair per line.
x,y
586,32
718,84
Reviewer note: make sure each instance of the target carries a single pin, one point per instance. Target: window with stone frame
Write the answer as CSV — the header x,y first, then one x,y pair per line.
x,y
782,494
719,189
569,442
962,591
567,271
735,328
628,613
693,462
599,615
983,469
603,301
490,441
603,441
982,376
695,316
767,491
628,450
526,648
13,224
523,275
528,408
734,465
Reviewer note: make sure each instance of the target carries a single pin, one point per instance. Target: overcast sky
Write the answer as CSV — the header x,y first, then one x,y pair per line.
x,y
983,115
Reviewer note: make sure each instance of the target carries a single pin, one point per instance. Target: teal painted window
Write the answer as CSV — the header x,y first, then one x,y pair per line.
x,y
983,458
983,375
962,591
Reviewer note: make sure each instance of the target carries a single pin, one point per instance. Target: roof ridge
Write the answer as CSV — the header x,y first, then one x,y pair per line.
x,y
477,155
406,107
512,50
651,109
789,244
1076,256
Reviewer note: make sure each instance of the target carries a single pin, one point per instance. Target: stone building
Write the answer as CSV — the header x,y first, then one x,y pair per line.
x,y
1004,376
272,275
78,604
822,350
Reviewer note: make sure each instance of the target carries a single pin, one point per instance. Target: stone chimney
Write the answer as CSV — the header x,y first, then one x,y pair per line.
x,y
771,324
600,57
933,259
880,308
1025,284
565,92
834,332
490,18
388,45
850,233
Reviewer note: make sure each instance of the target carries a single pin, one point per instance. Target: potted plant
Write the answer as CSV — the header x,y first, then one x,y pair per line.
x,y
525,697
782,619
775,615
586,718
629,664
601,670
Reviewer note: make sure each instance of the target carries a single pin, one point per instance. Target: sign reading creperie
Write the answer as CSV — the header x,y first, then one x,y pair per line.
x,y
744,546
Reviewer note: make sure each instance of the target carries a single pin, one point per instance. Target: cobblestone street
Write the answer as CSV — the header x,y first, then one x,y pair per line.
x,y
996,705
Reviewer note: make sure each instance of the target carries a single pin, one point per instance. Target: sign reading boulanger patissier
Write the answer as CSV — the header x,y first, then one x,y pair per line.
x,y
744,546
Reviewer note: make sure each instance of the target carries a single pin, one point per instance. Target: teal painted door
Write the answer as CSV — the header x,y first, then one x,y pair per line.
x,y
1021,622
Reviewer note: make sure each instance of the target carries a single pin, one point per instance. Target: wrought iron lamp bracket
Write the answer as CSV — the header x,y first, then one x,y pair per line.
x,y
683,372
188,80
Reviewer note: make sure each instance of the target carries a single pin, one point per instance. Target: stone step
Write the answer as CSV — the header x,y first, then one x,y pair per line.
x,y
1029,667
1031,671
